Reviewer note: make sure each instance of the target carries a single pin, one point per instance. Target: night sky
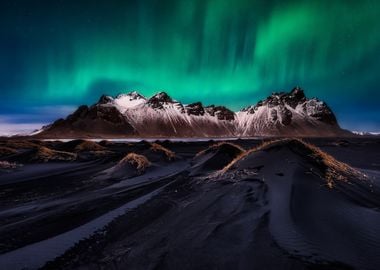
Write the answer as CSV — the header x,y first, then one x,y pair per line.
x,y
55,55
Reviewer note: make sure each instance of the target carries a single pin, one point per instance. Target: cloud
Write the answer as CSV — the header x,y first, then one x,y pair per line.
x,y
9,129
38,114
31,119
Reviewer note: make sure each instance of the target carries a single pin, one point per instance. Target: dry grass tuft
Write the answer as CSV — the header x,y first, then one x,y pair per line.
x,y
44,154
6,151
155,147
218,145
19,144
244,154
333,169
140,162
88,146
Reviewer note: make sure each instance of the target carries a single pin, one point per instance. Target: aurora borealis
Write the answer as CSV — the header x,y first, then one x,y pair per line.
x,y
226,52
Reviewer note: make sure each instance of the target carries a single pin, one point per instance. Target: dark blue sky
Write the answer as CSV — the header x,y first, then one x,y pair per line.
x,y
55,55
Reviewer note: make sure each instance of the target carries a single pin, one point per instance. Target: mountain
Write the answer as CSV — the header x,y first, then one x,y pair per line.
x,y
133,115
288,114
99,119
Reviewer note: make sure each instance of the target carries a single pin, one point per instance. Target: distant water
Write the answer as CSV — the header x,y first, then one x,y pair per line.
x,y
128,140
366,133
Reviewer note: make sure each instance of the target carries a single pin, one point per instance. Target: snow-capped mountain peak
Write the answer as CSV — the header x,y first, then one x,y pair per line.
x,y
104,99
161,97
279,114
286,111
220,112
159,100
195,109
129,100
133,95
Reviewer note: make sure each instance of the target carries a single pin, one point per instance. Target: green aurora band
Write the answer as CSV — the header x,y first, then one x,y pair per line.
x,y
216,51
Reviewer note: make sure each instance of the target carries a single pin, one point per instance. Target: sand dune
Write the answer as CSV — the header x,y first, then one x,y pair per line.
x,y
131,165
215,157
277,205
306,218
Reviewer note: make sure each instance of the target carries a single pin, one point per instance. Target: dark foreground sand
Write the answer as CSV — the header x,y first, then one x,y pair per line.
x,y
83,205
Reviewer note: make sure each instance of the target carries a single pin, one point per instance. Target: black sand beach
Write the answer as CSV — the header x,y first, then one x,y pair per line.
x,y
190,205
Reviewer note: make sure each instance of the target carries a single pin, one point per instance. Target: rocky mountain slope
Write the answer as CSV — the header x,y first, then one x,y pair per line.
x,y
133,115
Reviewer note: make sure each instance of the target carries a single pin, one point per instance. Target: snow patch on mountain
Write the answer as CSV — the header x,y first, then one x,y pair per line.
x,y
366,133
161,116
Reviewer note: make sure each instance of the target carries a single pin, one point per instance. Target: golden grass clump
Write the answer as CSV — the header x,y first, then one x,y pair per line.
x,y
332,168
218,145
19,144
244,154
88,146
45,154
155,147
140,162
6,151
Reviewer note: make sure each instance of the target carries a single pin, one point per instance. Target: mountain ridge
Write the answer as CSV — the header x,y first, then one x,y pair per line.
x,y
134,115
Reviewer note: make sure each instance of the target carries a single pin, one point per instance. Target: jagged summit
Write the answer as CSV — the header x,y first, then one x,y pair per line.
x,y
128,100
132,95
104,99
162,97
288,113
221,112
159,100
293,98
195,108
131,114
